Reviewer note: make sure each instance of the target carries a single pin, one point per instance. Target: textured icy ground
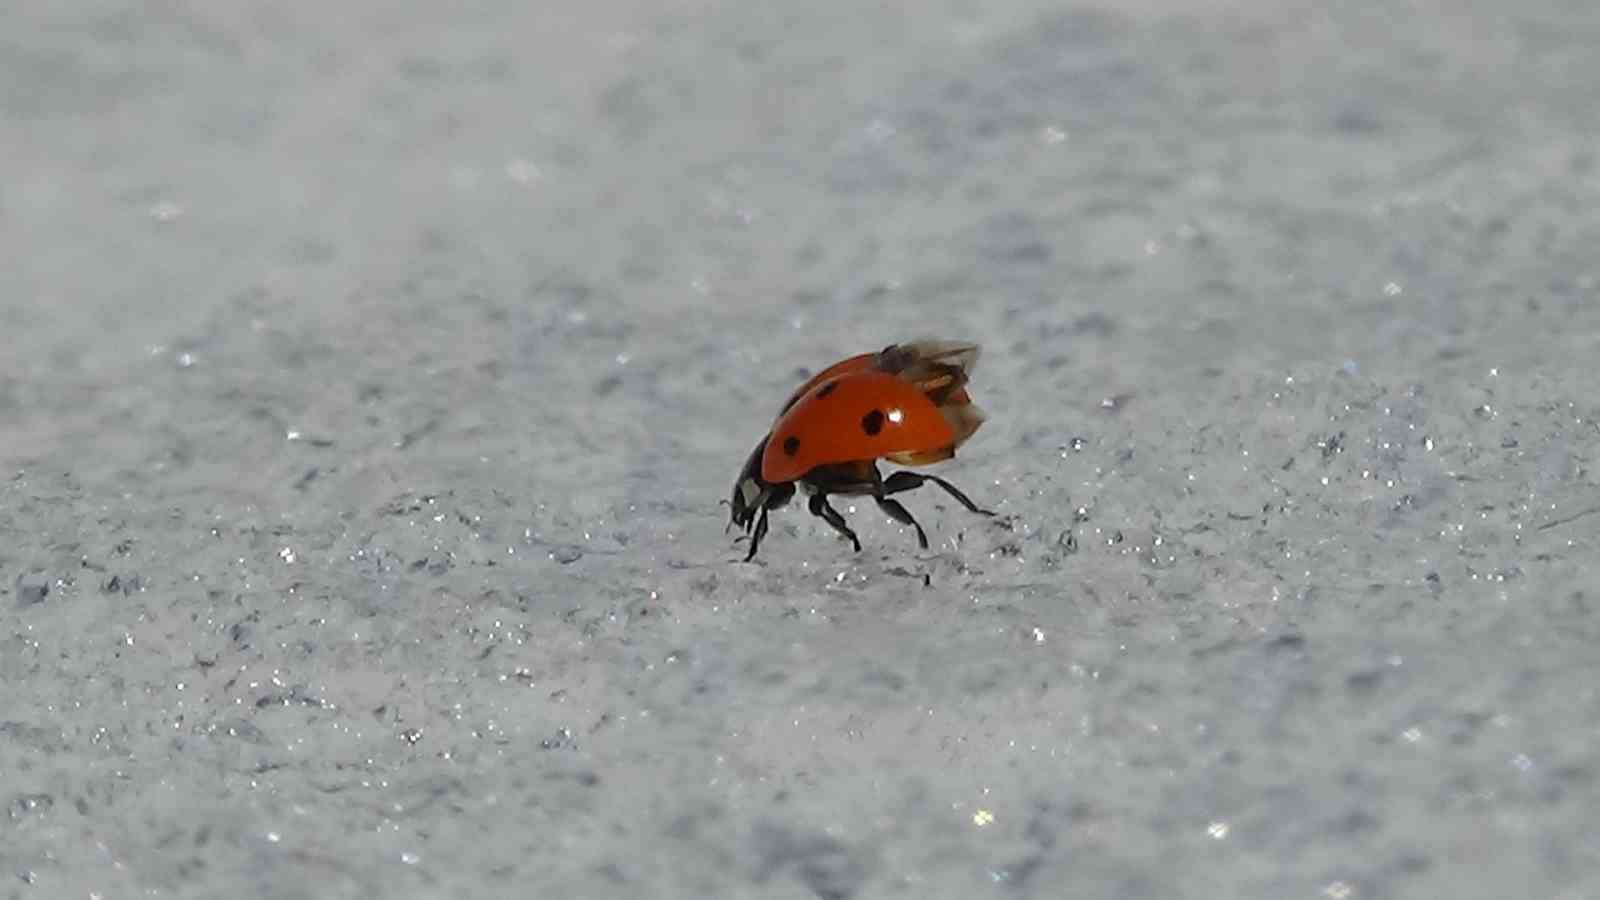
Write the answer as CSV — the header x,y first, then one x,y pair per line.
x,y
369,381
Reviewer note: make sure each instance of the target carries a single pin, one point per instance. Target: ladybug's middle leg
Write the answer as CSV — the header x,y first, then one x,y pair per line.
x,y
894,509
819,507
900,514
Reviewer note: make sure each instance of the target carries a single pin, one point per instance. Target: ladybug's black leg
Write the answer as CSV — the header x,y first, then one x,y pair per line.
x,y
820,508
773,496
760,532
902,515
894,508
749,519
906,481
744,512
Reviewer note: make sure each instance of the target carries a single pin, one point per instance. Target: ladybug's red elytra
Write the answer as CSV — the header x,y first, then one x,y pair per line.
x,y
907,404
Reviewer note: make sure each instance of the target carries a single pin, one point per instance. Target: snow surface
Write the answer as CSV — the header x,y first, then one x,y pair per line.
x,y
372,374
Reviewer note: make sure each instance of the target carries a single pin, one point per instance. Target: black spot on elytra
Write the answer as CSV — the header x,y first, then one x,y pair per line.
x,y
872,422
827,389
791,445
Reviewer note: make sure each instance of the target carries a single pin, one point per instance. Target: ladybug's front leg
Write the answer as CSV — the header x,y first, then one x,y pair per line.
x,y
773,496
819,507
760,532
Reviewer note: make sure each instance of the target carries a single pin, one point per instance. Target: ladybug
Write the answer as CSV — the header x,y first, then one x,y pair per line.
x,y
907,403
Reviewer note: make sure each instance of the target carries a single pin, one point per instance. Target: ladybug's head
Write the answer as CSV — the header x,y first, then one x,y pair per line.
x,y
747,490
751,492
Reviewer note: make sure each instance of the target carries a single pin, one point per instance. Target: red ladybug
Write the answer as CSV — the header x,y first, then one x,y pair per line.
x,y
907,403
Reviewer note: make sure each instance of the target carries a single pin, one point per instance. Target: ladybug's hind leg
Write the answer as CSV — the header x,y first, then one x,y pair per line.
x,y
908,481
820,508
